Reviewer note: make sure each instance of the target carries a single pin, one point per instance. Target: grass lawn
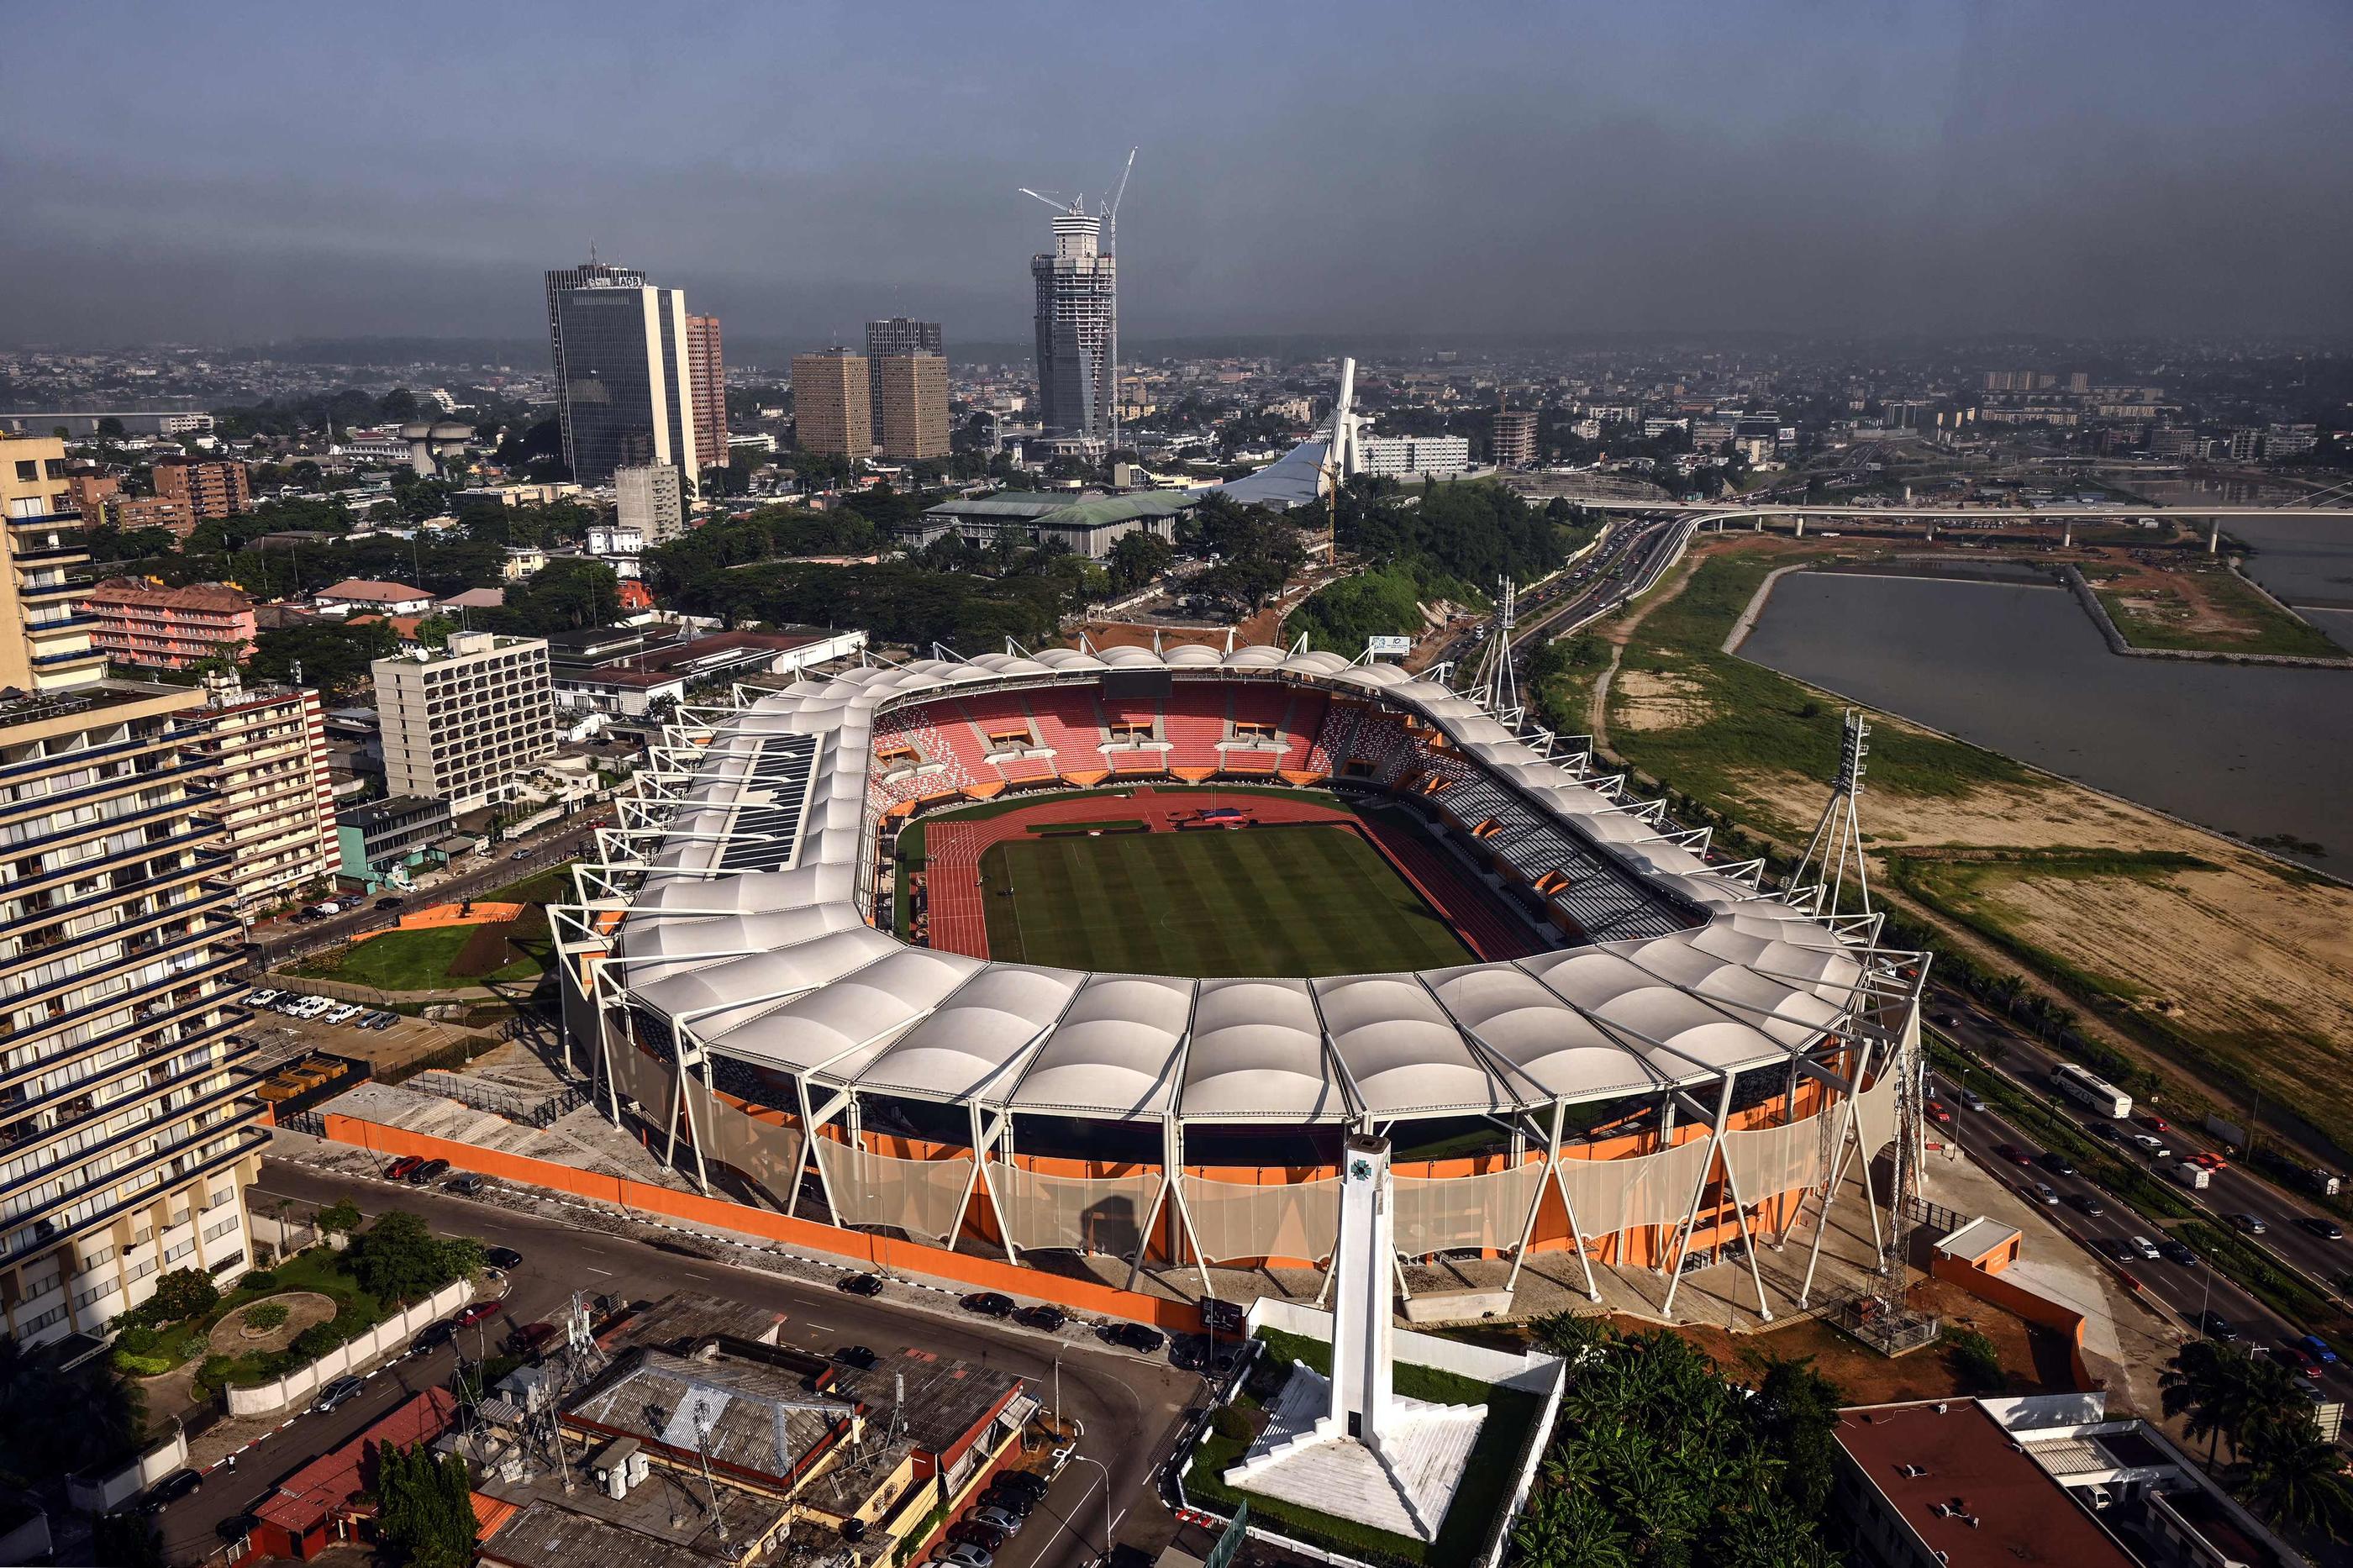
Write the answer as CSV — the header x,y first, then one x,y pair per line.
x,y
1297,899
553,886
2260,625
419,961
320,1269
1484,1492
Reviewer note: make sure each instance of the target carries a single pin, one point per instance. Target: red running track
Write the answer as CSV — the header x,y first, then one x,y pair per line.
x,y
959,915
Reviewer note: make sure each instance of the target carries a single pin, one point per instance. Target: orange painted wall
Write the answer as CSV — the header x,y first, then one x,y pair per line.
x,y
2038,1309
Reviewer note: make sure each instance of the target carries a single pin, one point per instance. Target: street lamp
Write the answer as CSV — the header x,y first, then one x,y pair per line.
x,y
1098,1464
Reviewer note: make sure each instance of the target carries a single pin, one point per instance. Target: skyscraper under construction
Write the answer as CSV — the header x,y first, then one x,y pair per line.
x,y
1078,324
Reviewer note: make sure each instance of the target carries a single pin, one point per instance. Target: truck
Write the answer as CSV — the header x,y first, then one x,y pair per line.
x,y
2192,1175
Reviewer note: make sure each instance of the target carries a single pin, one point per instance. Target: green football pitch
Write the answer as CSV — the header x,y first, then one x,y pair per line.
x,y
1306,899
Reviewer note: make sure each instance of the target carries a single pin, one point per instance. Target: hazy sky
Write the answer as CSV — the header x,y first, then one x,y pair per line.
x,y
240,172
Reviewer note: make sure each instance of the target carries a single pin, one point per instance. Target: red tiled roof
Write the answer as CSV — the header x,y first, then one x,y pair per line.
x,y
196,596
312,1495
368,588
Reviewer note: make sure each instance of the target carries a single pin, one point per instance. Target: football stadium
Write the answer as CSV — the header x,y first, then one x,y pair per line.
x,y
1106,952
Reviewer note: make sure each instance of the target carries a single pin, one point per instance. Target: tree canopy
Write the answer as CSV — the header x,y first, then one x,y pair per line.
x,y
398,1259
423,1511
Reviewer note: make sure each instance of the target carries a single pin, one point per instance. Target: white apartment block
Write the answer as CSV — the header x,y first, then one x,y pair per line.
x,y
278,800
649,500
126,1132
1391,456
461,725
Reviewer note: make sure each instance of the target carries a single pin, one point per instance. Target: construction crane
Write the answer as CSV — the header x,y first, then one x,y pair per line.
x,y
1107,213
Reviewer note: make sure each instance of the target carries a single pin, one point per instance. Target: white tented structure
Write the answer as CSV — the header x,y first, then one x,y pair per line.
x,y
1698,1058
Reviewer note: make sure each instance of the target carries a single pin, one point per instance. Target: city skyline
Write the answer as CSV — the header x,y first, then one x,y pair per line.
x,y
2099,170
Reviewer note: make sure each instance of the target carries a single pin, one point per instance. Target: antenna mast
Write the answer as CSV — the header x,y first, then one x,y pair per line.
x,y
1837,844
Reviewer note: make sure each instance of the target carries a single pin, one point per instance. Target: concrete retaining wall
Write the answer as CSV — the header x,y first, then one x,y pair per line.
x,y
99,1494
267,1398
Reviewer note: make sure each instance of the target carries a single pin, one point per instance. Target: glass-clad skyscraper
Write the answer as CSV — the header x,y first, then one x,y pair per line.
x,y
627,392
1078,311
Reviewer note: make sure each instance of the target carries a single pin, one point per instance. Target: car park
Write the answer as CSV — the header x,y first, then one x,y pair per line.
x,y
987,1303
971,1531
502,1258
1023,1483
427,1173
2326,1229
2144,1246
474,1312
342,1390
1046,1318
400,1169
2247,1224
342,1013
2044,1192
859,1284
380,1020
998,1518
1136,1337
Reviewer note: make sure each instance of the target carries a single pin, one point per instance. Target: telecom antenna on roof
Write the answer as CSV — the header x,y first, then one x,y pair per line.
x,y
1837,845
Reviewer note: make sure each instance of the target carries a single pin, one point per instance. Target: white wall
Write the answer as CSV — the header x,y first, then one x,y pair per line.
x,y
264,1399
99,1495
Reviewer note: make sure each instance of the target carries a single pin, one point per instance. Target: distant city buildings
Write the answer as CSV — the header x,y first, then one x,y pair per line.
x,y
1077,323
625,388
897,335
1516,438
707,374
650,501
833,403
1390,457
912,389
209,490
462,724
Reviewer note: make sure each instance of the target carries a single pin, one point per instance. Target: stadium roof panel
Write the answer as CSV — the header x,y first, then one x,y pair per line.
x,y
1258,1054
973,1041
1114,1052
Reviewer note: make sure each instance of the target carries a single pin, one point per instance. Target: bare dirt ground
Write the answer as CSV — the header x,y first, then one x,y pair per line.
x,y
1650,700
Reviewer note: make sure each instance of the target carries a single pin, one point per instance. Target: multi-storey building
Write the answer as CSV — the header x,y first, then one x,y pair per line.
x,y
207,490
169,628
378,842
268,746
89,492
462,724
706,373
650,501
626,397
126,1135
1516,438
1077,323
560,281
832,403
914,396
2245,444
44,634
898,335
1389,456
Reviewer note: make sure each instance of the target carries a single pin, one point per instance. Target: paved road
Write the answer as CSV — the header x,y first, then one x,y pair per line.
x,y
1594,585
1131,1406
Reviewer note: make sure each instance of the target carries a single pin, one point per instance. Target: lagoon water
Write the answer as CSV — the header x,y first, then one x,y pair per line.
x,y
2250,750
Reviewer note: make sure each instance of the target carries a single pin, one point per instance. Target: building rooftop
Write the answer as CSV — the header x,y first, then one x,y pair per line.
x,y
369,588
310,1495
945,1399
757,1421
475,599
545,1535
684,1316
1967,1487
218,596
377,813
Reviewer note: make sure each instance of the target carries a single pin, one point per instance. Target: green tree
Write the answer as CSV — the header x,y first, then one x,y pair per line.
x,y
424,1512
1797,1412
2296,1476
183,1293
435,631
563,595
1137,559
338,1218
266,1316
400,1259
332,659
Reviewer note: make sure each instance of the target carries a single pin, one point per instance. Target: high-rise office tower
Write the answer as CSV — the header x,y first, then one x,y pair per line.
x,y
898,335
624,392
44,642
707,375
833,403
562,279
913,392
1078,313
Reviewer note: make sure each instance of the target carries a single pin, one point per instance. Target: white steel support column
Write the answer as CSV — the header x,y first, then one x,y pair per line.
x,y
1699,1191
1836,1166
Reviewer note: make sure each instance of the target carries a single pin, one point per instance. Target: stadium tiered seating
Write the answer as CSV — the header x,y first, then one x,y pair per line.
x,y
1068,723
926,764
1381,750
1302,722
1193,725
1333,737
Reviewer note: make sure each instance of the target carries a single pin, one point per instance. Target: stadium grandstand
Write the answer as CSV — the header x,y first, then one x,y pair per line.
x,y
1675,1061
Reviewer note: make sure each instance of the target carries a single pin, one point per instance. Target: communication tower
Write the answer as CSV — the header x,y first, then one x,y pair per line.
x,y
1836,850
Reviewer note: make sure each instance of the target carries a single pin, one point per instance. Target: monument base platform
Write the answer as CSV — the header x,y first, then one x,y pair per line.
x,y
1403,1485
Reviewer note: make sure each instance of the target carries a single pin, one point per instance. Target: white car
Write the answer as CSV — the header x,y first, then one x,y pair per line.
x,y
264,997
2153,1147
310,1007
2144,1246
342,1013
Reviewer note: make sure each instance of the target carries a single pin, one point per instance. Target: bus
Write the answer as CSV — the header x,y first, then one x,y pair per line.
x,y
2085,1090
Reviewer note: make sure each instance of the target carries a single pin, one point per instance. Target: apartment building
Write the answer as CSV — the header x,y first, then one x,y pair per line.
x,y
128,512
651,500
1516,438
913,394
169,628
127,1134
268,746
833,409
207,490
44,634
706,375
1391,456
461,724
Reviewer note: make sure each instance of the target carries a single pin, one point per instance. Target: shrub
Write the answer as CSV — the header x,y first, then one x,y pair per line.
x,y
184,1293
261,1281
268,1315
315,1342
1232,1424
136,1340
213,1375
1975,1361
142,1365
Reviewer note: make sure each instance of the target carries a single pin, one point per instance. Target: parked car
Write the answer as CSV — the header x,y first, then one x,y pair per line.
x,y
972,1533
2044,1192
1048,1318
998,1518
2325,1228
502,1258
343,1013
1023,1483
2058,1164
2318,1348
393,902
1136,1337
468,1184
433,1334
520,855
2247,1224
265,997
342,1390
400,1169
859,1284
180,1483
2144,1246
1021,1505
427,1173
530,1339
382,1020
963,1555
2178,1252
858,1356
474,1312
987,1303
2014,1154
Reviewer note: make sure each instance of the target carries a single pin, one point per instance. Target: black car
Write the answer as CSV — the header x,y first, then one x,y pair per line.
x,y
433,1334
858,1356
180,1483
1136,1337
2174,1251
972,1533
2326,1229
987,1303
859,1284
467,1184
1028,1483
427,1173
1048,1318
2056,1163
1019,1504
392,903
2088,1203
502,1258
2215,1326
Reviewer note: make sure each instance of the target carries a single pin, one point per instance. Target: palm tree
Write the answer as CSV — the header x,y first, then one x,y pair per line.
x,y
2297,1476
2206,1384
1562,1530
